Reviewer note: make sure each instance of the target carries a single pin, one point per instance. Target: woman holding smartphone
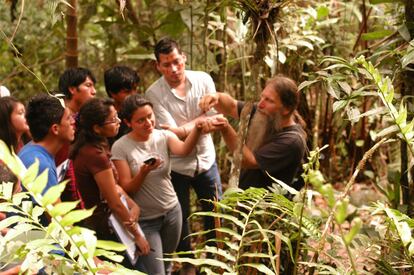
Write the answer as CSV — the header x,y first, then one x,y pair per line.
x,y
142,158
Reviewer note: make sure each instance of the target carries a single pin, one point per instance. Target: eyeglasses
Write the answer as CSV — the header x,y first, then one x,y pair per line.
x,y
116,119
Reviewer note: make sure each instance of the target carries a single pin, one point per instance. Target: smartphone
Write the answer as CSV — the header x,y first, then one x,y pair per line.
x,y
150,161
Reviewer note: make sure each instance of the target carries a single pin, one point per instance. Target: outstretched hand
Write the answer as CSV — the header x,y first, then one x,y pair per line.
x,y
208,101
216,123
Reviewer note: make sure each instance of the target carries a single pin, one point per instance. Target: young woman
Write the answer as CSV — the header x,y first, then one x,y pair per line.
x,y
13,127
142,158
95,174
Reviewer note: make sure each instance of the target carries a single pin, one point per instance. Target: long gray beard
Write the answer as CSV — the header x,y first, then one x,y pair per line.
x,y
261,128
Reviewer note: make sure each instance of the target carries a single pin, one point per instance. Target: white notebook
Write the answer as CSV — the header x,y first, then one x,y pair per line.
x,y
124,236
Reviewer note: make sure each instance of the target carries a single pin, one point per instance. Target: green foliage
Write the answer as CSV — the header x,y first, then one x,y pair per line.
x,y
252,222
33,245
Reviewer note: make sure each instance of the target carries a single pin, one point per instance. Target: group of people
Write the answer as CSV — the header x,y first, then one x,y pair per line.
x,y
137,156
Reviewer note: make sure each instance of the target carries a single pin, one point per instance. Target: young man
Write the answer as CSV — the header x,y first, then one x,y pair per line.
x,y
120,82
51,126
175,98
276,141
78,86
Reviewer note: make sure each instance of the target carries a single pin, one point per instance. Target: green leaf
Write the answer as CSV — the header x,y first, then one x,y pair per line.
x,y
110,245
341,211
76,216
328,192
357,224
338,105
345,87
404,231
260,267
376,35
221,216
407,58
62,208
53,194
7,190
402,115
31,174
109,254
322,12
304,44
39,184
305,84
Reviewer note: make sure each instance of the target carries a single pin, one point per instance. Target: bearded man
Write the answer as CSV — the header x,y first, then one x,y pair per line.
x,y
276,140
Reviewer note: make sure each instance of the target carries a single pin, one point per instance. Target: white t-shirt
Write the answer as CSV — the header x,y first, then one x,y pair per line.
x,y
156,195
175,111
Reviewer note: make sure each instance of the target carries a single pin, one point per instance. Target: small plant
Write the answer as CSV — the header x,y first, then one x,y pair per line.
x,y
59,248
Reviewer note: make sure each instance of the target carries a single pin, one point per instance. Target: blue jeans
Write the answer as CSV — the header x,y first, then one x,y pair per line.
x,y
163,235
207,186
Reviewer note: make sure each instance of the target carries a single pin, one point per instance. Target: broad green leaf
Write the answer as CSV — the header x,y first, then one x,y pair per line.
x,y
76,216
110,245
338,105
39,184
31,174
62,208
332,91
404,231
345,87
376,35
356,226
304,44
53,193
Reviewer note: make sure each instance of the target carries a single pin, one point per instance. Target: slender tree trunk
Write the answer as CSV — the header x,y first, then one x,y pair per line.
x,y
71,35
408,89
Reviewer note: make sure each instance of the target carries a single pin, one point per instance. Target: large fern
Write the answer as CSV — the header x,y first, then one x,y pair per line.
x,y
257,226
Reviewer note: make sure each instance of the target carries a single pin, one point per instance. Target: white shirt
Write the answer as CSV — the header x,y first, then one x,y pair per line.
x,y
171,109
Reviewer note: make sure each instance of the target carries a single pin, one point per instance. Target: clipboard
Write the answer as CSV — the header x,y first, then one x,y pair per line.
x,y
125,236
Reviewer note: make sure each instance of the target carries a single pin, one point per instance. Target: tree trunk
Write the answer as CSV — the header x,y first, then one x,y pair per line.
x,y
71,35
408,86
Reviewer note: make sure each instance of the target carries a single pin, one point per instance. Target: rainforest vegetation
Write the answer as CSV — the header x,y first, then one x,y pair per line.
x,y
354,63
